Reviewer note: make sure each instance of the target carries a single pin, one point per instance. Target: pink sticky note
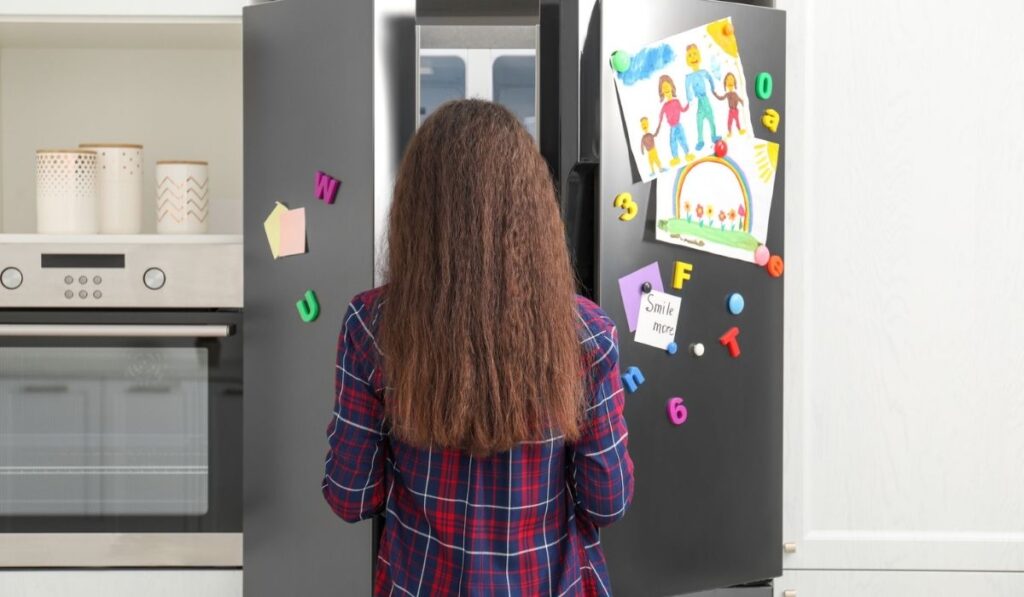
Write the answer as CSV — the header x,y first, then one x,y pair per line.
x,y
631,287
293,232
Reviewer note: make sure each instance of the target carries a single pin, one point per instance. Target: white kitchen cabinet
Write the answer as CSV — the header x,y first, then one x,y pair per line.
x,y
136,8
121,583
904,421
891,583
173,85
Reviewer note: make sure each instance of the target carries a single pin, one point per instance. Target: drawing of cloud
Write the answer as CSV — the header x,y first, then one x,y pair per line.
x,y
645,62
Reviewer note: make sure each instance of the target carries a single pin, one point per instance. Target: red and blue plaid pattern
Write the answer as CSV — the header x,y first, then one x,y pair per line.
x,y
523,522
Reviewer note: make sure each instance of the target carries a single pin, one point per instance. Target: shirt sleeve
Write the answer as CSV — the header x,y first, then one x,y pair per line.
x,y
353,482
711,82
601,469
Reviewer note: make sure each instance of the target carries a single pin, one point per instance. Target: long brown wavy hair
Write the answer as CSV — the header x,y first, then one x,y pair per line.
x,y
478,328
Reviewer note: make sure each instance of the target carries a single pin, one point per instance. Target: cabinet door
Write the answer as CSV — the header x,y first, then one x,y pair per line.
x,y
904,419
896,583
121,583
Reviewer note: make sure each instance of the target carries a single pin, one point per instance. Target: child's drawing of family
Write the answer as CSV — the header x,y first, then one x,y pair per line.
x,y
697,85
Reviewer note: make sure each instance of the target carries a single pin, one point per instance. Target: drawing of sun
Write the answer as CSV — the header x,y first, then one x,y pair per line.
x,y
766,158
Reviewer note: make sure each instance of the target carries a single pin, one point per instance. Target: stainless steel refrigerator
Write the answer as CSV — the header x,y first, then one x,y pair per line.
x,y
336,87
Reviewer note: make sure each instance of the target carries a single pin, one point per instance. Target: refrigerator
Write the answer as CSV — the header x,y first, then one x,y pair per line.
x,y
332,87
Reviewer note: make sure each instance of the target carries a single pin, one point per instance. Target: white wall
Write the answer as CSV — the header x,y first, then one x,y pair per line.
x,y
179,104
904,282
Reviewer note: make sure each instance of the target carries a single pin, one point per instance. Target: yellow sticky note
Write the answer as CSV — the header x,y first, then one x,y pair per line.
x,y
272,226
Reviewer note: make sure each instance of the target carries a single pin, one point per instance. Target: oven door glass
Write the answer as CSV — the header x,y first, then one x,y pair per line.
x,y
104,431
120,422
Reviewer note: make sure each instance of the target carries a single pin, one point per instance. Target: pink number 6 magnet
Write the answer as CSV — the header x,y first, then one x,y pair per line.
x,y
676,411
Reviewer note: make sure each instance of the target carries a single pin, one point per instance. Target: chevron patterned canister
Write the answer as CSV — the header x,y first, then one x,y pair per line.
x,y
182,197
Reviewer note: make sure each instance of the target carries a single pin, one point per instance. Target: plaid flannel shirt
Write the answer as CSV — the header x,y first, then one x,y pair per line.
x,y
523,522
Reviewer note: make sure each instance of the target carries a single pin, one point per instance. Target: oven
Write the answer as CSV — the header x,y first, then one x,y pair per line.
x,y
120,406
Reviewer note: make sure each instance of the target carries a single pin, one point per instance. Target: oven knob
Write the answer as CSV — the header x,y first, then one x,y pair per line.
x,y
11,278
154,278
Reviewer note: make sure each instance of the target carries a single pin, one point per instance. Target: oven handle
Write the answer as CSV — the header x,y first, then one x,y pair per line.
x,y
114,330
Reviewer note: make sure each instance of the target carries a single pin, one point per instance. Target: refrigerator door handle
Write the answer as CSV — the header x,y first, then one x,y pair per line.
x,y
579,212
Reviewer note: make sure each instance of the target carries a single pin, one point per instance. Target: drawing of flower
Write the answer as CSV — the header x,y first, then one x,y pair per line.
x,y
700,214
711,215
743,216
686,208
721,218
732,219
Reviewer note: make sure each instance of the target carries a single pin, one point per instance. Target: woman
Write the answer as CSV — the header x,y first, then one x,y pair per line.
x,y
479,406
672,112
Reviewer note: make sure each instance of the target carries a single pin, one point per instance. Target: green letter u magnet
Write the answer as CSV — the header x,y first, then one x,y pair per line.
x,y
308,307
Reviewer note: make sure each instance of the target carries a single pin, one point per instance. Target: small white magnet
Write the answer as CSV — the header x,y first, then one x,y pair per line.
x,y
697,349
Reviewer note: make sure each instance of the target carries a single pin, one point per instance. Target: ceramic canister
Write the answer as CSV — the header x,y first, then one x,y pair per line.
x,y
66,191
119,178
182,197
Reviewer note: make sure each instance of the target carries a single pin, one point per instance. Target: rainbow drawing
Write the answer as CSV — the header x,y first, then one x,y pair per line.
x,y
740,183
729,163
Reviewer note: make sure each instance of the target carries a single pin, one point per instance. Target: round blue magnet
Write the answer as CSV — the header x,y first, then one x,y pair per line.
x,y
672,347
735,303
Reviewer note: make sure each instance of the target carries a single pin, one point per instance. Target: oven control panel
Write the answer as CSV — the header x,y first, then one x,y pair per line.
x,y
156,272
83,282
